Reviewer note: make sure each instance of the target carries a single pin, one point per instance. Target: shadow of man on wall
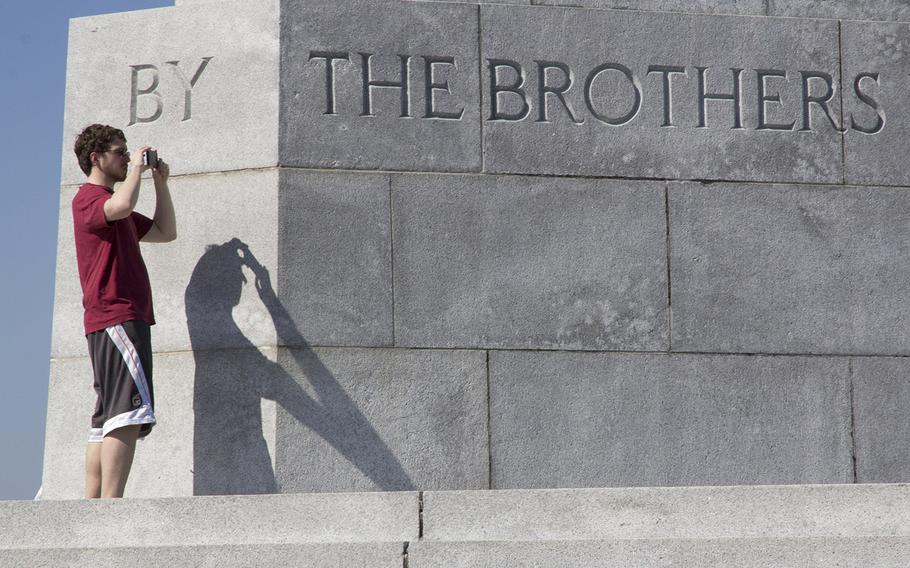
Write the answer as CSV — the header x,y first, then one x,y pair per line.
x,y
230,453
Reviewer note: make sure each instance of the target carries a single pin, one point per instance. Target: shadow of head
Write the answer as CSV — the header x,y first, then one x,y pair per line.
x,y
218,279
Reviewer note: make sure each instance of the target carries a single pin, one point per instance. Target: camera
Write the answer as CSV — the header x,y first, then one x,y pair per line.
x,y
150,158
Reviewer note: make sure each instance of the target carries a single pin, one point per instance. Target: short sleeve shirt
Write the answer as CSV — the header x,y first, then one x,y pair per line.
x,y
115,282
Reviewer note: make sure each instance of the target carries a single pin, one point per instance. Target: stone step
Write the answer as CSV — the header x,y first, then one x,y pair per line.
x,y
314,555
865,552
862,552
216,520
856,510
808,525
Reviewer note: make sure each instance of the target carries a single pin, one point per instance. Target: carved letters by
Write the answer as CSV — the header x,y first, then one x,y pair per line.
x,y
152,74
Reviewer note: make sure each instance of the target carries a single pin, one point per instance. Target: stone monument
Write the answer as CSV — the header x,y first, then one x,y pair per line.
x,y
507,245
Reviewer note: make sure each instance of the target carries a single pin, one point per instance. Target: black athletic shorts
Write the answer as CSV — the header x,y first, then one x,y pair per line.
x,y
122,363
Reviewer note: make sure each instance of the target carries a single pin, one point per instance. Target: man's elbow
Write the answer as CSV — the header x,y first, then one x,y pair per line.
x,y
114,211
161,234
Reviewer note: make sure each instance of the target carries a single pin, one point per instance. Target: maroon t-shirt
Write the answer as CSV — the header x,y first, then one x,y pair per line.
x,y
115,282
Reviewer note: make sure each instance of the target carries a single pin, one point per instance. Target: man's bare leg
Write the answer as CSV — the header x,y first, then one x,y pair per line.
x,y
93,470
117,451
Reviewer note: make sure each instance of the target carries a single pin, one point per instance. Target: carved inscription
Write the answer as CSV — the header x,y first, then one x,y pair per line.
x,y
545,91
436,91
150,75
509,87
553,91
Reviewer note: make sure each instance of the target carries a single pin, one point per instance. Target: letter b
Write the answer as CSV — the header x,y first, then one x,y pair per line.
x,y
135,93
515,88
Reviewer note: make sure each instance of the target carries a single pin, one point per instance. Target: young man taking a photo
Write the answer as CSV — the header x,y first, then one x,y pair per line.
x,y
117,298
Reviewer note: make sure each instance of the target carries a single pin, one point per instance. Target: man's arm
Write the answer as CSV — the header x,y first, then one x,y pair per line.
x,y
123,201
164,227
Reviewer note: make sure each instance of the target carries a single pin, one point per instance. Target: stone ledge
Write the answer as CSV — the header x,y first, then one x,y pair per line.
x,y
877,552
319,555
826,518
780,511
217,520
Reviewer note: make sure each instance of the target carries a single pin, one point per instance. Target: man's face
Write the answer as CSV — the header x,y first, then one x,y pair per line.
x,y
114,162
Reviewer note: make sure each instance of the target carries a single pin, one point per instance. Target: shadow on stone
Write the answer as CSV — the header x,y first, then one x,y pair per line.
x,y
230,454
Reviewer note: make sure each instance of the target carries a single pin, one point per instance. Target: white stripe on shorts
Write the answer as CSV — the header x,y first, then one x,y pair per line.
x,y
131,358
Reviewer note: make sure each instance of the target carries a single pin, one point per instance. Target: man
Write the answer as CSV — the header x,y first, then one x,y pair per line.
x,y
117,298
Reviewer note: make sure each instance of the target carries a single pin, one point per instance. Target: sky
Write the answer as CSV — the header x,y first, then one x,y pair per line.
x,y
33,41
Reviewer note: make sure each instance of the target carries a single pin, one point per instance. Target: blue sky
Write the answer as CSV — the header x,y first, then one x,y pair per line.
x,y
33,39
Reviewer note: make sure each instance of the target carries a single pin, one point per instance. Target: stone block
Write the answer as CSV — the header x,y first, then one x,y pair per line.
x,y
173,81
332,555
163,465
213,520
656,513
881,396
68,335
203,287
335,276
203,284
234,420
876,79
338,109
887,10
603,420
529,263
621,104
718,7
389,420
881,552
787,269
70,404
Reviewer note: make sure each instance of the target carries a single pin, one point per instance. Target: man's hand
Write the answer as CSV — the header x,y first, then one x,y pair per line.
x,y
164,229
139,163
161,173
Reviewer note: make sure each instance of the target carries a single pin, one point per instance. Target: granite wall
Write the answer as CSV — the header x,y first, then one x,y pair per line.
x,y
431,245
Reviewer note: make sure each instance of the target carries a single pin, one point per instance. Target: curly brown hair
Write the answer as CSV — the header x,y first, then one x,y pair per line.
x,y
95,138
